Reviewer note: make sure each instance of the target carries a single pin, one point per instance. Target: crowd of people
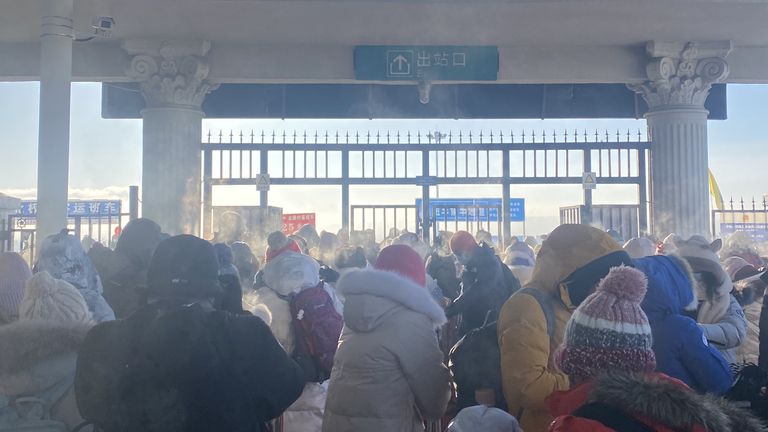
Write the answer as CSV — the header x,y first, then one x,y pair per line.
x,y
337,333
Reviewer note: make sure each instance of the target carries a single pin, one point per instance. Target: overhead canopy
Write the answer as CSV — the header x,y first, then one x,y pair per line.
x,y
452,101
258,41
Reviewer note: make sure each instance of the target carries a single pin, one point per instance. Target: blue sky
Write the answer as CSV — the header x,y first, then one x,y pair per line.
x,y
105,155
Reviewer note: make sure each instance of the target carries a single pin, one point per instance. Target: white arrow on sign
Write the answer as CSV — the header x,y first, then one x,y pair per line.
x,y
400,60
399,63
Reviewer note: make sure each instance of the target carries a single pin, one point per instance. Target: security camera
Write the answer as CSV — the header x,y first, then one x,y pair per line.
x,y
103,26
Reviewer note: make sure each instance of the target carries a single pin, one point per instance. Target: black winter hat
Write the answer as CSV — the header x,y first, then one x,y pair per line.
x,y
184,268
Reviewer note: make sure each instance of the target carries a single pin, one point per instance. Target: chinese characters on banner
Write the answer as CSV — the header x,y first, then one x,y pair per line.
x,y
100,208
426,58
293,222
429,62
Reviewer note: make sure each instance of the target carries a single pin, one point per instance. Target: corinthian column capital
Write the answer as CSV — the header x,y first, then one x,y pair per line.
x,y
170,73
681,74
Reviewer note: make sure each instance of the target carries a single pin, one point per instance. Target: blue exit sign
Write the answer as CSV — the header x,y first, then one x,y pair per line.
x,y
432,63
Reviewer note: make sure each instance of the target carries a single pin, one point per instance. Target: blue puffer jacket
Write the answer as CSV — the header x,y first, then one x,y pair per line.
x,y
681,349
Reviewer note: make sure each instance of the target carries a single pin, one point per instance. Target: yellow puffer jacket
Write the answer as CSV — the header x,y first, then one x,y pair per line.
x,y
527,366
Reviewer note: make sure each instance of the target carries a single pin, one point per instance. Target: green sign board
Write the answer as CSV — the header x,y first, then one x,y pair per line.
x,y
433,63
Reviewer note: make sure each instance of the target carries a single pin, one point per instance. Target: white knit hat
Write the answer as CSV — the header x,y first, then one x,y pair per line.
x,y
52,299
485,419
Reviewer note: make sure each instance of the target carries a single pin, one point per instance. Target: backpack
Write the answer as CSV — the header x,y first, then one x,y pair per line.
x,y
27,414
475,360
748,389
317,327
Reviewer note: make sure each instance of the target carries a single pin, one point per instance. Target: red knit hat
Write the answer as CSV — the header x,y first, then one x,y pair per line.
x,y
404,261
279,243
462,242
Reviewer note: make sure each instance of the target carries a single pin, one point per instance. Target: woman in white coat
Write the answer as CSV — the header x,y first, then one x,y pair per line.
x,y
285,275
388,374
39,356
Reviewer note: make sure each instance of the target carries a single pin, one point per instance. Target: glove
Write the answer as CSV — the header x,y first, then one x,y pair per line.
x,y
329,275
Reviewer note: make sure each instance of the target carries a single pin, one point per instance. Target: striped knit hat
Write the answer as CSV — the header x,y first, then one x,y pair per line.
x,y
609,330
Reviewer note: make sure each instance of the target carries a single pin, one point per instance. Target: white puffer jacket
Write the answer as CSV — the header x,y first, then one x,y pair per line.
x,y
287,274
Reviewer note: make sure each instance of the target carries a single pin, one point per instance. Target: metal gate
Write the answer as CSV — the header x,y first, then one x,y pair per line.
x,y
751,218
624,219
17,232
383,219
438,158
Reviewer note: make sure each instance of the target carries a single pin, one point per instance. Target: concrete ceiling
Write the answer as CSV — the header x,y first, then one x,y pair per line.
x,y
352,22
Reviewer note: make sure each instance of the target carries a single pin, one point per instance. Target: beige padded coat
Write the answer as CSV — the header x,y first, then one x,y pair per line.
x,y
388,374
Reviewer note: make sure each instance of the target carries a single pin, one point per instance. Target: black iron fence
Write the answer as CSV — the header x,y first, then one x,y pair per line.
x,y
424,159
624,219
747,216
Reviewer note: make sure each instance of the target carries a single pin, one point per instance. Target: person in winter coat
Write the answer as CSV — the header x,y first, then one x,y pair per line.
x,y
443,269
39,352
482,418
226,261
720,315
311,237
749,289
388,375
521,259
63,257
486,283
640,247
178,364
231,228
568,267
123,272
607,355
246,263
681,350
668,246
414,242
286,275
14,274
326,248
741,244
350,258
278,243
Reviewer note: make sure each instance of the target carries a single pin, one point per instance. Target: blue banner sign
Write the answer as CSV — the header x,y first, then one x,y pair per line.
x,y
100,208
758,231
437,62
472,210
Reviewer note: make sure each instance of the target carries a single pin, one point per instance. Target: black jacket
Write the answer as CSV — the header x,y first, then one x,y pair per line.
x,y
184,369
486,284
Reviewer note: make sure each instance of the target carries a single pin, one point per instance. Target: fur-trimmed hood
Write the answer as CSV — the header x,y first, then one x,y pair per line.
x,y
670,286
24,344
661,400
373,295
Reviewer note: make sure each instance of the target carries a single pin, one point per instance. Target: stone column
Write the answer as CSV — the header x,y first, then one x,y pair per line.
x,y
173,78
53,140
680,76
